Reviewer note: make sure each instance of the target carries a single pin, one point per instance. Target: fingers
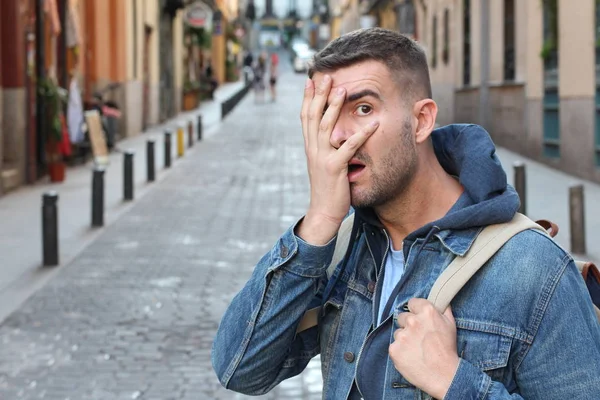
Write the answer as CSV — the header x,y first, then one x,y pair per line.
x,y
309,91
315,112
405,319
350,146
417,305
449,315
330,117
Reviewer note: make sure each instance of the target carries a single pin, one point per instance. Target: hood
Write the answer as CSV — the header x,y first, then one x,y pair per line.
x,y
467,152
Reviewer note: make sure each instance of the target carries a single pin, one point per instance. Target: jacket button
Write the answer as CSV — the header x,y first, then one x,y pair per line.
x,y
371,287
284,252
349,356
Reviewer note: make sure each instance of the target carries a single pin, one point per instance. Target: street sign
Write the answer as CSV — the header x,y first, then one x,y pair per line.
x,y
96,135
198,15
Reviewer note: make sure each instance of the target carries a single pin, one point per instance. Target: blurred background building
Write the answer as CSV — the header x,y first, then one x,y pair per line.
x,y
145,58
525,69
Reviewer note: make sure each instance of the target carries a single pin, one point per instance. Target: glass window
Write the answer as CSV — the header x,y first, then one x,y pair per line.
x,y
434,43
446,49
466,42
509,40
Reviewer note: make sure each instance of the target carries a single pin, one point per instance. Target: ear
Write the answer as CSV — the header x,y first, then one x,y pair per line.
x,y
425,111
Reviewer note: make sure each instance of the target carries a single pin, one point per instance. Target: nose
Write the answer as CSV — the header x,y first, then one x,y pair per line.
x,y
340,133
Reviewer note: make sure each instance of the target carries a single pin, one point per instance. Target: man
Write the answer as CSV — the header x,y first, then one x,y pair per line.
x,y
273,73
522,328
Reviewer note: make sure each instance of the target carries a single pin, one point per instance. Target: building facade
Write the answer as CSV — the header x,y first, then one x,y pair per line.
x,y
540,95
130,51
541,69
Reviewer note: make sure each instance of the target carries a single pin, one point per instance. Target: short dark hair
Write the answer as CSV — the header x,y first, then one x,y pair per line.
x,y
405,59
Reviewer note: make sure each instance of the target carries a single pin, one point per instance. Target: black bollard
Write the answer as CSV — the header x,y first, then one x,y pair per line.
x,y
128,175
190,134
98,196
150,170
521,185
168,149
199,127
577,219
50,229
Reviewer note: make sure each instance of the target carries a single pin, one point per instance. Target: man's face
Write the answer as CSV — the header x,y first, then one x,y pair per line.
x,y
385,165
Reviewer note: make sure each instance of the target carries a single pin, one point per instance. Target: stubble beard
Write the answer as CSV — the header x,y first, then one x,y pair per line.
x,y
394,173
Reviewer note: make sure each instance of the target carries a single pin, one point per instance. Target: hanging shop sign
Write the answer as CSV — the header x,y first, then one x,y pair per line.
x,y
198,15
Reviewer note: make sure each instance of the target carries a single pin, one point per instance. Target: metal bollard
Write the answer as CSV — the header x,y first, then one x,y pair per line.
x,y
577,219
199,127
180,144
128,175
150,169
98,196
521,185
168,141
190,134
50,229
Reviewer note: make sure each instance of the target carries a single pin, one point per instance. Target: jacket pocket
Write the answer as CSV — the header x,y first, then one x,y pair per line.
x,y
484,348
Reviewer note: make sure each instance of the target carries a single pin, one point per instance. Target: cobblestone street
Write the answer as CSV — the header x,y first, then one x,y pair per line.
x,y
134,315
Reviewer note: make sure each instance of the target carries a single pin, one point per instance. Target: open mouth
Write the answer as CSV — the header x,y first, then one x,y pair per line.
x,y
355,166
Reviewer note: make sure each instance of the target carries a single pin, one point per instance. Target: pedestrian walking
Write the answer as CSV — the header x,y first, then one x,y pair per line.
x,y
212,82
259,72
248,60
407,200
273,73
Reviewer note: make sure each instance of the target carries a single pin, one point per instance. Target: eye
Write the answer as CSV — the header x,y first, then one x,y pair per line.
x,y
363,110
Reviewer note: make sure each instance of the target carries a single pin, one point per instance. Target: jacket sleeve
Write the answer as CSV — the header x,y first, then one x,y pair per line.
x,y
563,359
256,345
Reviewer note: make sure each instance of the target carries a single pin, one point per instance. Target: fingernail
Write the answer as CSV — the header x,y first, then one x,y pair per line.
x,y
326,79
374,124
340,91
308,82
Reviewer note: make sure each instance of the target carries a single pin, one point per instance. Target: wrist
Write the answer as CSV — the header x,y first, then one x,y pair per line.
x,y
444,382
317,229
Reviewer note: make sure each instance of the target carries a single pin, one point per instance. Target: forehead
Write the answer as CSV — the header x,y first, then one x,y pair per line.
x,y
369,74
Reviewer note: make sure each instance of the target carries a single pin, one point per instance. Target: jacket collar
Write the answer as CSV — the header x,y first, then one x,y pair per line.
x,y
458,242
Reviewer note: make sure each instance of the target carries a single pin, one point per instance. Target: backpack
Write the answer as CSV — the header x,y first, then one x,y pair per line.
x,y
461,269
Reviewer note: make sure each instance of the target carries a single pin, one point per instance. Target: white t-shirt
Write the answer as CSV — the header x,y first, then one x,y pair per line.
x,y
394,269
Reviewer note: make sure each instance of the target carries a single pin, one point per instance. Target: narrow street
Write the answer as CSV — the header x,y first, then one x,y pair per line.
x,y
133,316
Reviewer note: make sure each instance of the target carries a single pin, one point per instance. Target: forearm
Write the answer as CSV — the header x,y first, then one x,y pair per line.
x,y
256,345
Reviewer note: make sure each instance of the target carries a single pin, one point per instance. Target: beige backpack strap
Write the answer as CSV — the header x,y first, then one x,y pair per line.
x,y
341,245
461,269
311,317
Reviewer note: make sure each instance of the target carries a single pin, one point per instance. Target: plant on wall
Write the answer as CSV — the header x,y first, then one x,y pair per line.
x,y
54,99
200,37
550,10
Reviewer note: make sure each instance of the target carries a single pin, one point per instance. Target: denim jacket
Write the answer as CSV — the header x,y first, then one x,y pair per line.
x,y
525,324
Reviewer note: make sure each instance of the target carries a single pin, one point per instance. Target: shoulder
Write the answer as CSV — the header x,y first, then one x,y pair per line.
x,y
525,270
531,256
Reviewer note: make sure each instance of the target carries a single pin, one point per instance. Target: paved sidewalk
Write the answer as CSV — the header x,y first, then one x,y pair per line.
x,y
20,211
548,198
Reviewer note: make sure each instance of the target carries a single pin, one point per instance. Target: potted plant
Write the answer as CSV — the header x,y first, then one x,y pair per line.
x,y
190,95
54,98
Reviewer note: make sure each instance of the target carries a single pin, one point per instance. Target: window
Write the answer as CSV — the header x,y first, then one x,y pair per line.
x,y
446,49
406,18
509,40
466,42
597,133
551,101
434,43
